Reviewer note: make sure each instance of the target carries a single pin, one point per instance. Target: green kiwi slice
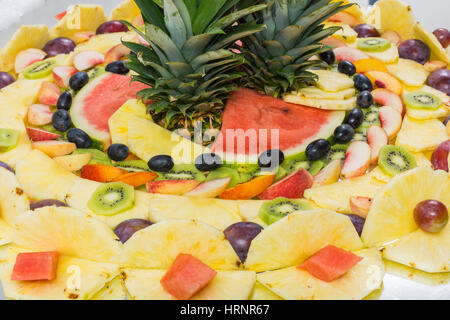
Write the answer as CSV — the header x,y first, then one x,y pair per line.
x,y
94,73
39,69
373,44
360,135
396,159
371,118
98,157
133,165
224,172
274,210
337,152
422,100
8,138
182,172
246,171
112,198
312,167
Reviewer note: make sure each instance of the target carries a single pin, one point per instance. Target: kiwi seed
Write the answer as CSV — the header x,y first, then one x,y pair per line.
x,y
112,198
396,159
276,209
422,100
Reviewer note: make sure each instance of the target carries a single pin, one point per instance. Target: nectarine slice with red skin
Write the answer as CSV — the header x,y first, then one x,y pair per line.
x,y
116,53
391,121
39,115
366,65
62,75
27,57
385,97
292,187
210,189
172,187
350,54
54,148
101,172
377,138
87,59
36,134
357,160
360,205
345,18
333,42
384,80
49,94
136,179
329,174
392,36
250,189
83,36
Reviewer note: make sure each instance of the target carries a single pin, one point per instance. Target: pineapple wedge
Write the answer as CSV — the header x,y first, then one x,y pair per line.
x,y
42,178
13,201
216,212
157,246
21,151
410,72
326,104
346,33
421,135
114,290
79,18
388,56
337,196
391,214
104,42
82,190
437,50
262,293
68,231
332,80
296,237
227,285
316,93
424,114
126,10
295,284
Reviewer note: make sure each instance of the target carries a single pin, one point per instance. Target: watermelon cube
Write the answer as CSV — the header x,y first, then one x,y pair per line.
x,y
31,266
186,277
330,263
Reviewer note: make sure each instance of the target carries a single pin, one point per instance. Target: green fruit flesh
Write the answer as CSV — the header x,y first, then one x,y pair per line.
x,y
133,165
224,172
373,44
112,198
371,117
337,152
422,100
39,69
396,159
8,138
274,210
182,172
98,157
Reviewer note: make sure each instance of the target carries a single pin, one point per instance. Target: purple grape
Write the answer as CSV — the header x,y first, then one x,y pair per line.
x,y
431,215
358,222
240,236
112,27
127,228
443,35
59,46
6,79
440,80
47,203
414,49
6,166
365,30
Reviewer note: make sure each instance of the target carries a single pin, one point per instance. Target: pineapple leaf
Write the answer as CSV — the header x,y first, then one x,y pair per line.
x,y
205,14
164,42
240,32
151,13
175,23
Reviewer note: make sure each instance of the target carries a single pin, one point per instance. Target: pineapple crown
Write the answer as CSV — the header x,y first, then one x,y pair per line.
x,y
189,65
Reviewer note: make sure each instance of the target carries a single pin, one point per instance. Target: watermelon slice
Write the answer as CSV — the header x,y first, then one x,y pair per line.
x,y
330,263
186,277
248,113
31,266
99,100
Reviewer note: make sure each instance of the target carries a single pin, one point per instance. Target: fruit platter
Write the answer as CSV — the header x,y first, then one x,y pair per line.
x,y
226,150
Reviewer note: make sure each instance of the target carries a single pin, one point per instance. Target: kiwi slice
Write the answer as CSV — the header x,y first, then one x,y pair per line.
x,y
312,167
371,118
94,73
360,135
98,157
8,138
277,209
373,44
224,172
396,159
246,171
133,165
39,69
337,152
182,172
112,198
422,100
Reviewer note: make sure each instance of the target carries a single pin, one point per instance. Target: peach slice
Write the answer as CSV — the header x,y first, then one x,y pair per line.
x,y
365,65
350,54
54,148
434,65
36,134
357,160
39,115
83,36
248,190
173,187
387,98
87,59
333,42
328,175
292,187
345,18
101,172
386,81
376,138
210,189
116,53
136,179
360,205
62,75
73,162
27,57
49,93
391,121
392,36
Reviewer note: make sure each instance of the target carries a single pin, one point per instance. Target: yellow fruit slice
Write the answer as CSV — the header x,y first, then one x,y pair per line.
x,y
326,104
25,38
227,285
409,72
13,200
296,237
126,10
441,112
332,80
388,56
249,209
262,293
346,33
157,246
114,290
104,42
295,284
316,93
437,50
68,231
391,214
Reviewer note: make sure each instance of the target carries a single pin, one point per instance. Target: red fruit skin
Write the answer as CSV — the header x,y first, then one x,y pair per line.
x,y
41,135
439,158
33,266
431,215
61,15
292,187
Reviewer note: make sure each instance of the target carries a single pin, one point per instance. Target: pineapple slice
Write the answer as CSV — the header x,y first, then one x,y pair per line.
x,y
216,212
79,18
296,237
104,42
114,290
423,114
437,50
21,151
25,38
326,104
157,246
6,233
42,178
332,80
126,10
346,33
316,93
421,135
410,72
295,284
262,293
118,123
13,201
82,190
68,231
76,279
391,214
388,56
337,196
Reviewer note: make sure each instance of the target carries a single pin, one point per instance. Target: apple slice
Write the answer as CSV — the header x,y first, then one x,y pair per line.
x,y
73,162
435,65
391,121
210,189
392,36
49,93
377,138
357,160
88,59
36,134
54,148
62,75
116,53
345,18
328,175
27,57
292,187
350,54
83,36
333,42
39,115
360,205
385,97
173,187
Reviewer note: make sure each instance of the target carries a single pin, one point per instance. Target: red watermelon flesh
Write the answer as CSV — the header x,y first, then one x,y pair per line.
x,y
99,100
297,125
33,266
